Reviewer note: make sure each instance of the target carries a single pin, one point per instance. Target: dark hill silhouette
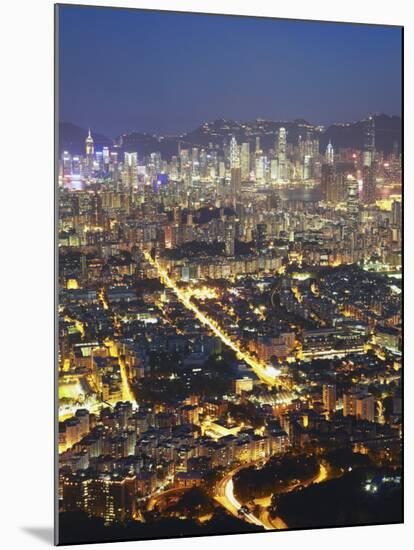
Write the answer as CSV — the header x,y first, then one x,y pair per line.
x,y
72,139
388,130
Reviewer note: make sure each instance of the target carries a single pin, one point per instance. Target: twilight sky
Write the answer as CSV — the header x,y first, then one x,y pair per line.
x,y
123,70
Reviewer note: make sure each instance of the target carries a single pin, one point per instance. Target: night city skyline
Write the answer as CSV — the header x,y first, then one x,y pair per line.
x,y
230,275
180,70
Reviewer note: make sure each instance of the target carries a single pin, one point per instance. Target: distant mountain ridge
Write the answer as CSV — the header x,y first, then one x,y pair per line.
x,y
388,130
72,139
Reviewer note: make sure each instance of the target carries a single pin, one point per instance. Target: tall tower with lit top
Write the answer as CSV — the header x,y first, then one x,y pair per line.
x,y
329,153
368,158
234,153
90,150
89,145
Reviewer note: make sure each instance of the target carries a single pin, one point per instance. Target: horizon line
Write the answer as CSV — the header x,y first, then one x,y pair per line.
x,y
250,121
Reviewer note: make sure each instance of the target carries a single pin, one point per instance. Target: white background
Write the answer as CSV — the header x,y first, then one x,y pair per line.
x,y
26,269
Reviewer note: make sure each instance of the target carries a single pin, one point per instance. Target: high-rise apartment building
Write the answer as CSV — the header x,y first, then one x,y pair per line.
x,y
281,155
329,397
359,404
327,182
245,161
234,153
352,204
368,161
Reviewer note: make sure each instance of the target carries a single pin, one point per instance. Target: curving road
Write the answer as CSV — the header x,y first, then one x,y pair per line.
x,y
157,498
226,497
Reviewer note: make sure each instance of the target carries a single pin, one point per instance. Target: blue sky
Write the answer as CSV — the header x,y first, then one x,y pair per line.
x,y
123,70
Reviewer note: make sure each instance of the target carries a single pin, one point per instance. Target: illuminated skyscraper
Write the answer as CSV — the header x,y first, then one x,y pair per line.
x,y
99,160
229,235
260,169
130,170
236,183
184,159
245,161
90,150
329,153
203,163
281,155
195,163
353,198
222,169
368,169
234,153
328,182
306,174
369,141
106,157
67,163
341,186
89,146
369,186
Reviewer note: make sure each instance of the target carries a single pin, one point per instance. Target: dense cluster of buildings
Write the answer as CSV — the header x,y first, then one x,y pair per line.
x,y
221,306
